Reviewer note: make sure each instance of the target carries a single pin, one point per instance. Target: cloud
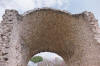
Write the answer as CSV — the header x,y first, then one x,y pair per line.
x,y
25,5
49,55
58,4
30,63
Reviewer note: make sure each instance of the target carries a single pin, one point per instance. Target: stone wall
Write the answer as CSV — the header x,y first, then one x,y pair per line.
x,y
93,24
6,26
69,35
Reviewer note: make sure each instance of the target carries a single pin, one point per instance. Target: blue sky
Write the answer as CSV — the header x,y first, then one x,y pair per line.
x,y
78,6
73,6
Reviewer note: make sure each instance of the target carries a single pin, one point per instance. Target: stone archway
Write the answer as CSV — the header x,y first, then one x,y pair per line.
x,y
51,30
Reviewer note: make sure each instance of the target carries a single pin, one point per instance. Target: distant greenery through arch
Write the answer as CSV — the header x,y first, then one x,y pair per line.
x,y
36,59
46,59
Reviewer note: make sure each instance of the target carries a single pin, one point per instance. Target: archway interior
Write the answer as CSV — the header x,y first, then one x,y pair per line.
x,y
46,59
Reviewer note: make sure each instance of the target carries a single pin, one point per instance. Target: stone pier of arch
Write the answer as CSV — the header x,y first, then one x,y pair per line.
x,y
75,37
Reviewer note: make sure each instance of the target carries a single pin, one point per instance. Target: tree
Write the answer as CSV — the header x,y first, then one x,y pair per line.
x,y
36,59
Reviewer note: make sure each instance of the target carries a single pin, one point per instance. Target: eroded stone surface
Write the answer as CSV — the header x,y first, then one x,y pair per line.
x,y
74,37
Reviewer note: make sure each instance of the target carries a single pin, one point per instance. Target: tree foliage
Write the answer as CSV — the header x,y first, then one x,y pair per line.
x,y
36,59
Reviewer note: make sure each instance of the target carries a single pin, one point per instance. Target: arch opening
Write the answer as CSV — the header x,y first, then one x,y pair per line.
x,y
46,59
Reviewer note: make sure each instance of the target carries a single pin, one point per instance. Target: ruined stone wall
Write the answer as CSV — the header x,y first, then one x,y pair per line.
x,y
21,36
93,22
9,18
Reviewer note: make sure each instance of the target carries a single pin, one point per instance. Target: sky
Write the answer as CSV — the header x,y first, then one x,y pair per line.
x,y
46,55
25,5
78,6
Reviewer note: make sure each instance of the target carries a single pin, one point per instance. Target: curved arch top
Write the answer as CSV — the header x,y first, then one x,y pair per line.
x,y
52,30
58,31
46,9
